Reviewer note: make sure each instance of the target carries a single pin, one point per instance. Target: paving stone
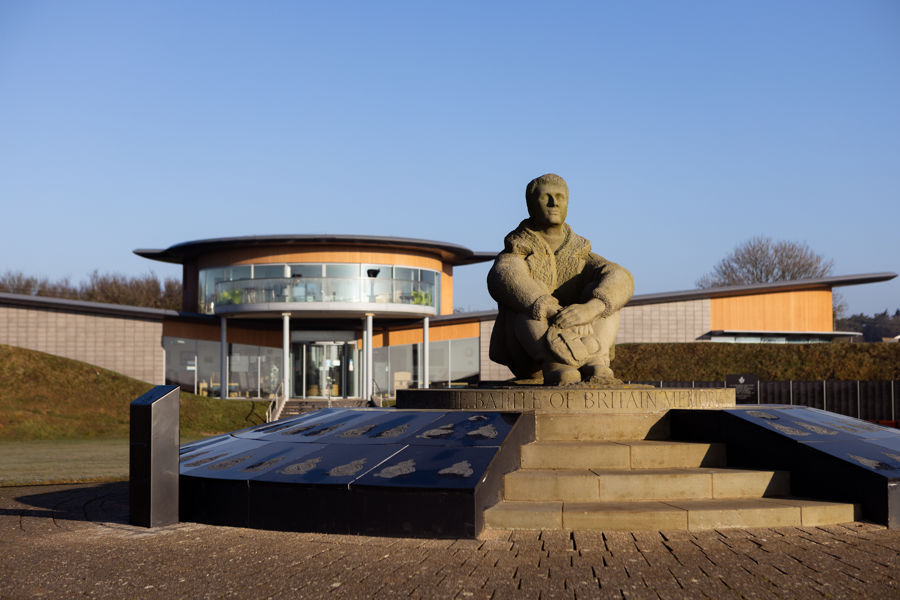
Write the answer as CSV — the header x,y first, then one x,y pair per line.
x,y
55,550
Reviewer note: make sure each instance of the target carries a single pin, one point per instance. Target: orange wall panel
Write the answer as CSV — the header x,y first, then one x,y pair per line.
x,y
269,255
210,332
456,331
807,310
414,335
447,290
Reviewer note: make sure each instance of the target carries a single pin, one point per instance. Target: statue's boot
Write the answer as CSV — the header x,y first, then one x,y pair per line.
x,y
597,370
560,374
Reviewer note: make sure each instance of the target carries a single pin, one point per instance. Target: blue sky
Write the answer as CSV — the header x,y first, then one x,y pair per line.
x,y
683,128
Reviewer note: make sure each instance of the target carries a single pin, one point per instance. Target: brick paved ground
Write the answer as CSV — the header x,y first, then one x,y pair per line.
x,y
65,541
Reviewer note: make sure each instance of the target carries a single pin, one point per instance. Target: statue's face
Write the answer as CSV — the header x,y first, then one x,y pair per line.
x,y
548,205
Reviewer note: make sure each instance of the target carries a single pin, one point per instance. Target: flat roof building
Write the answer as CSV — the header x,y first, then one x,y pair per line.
x,y
341,316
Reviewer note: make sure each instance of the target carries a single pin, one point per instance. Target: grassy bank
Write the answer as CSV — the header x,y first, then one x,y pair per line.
x,y
46,397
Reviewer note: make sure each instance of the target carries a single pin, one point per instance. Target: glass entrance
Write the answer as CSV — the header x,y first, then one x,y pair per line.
x,y
322,369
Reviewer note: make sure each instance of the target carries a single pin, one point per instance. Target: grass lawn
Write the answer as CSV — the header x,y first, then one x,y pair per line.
x,y
63,420
63,461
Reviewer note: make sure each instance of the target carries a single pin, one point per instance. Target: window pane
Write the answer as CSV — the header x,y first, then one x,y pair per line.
x,y
268,271
380,371
208,371
342,271
406,273
180,363
464,360
270,371
438,367
403,370
377,272
237,273
305,270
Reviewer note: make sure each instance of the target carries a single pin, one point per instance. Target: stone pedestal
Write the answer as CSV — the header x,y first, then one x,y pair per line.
x,y
581,398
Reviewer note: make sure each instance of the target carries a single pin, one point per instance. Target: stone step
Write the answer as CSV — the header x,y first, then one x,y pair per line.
x,y
671,515
596,485
589,426
636,454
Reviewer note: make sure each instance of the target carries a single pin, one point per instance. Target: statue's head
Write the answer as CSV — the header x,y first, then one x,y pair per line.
x,y
547,198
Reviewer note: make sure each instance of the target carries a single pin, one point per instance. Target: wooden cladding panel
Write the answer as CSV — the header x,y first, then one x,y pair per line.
x,y
807,310
436,333
447,290
210,332
268,255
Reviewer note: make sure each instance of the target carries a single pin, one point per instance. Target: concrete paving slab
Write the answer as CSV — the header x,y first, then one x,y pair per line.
x,y
73,540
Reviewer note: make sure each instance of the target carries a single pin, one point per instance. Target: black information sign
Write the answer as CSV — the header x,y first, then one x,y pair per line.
x,y
746,388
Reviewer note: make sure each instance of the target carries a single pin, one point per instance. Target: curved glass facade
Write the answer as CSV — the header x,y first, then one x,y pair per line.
x,y
317,282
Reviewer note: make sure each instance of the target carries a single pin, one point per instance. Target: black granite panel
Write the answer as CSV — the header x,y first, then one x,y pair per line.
x,y
432,467
380,471
468,429
213,501
829,456
416,512
297,507
331,464
381,426
221,460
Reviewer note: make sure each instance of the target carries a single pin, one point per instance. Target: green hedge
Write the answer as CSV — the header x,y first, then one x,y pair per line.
x,y
707,361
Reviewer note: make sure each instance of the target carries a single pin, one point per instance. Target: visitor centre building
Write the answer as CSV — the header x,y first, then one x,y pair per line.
x,y
341,316
341,307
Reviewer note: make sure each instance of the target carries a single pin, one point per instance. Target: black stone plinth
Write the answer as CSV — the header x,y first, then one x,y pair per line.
x,y
356,471
829,456
153,457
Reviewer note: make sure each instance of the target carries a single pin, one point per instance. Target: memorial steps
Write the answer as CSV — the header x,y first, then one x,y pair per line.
x,y
618,472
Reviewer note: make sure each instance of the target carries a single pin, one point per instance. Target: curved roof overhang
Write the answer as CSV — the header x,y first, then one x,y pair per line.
x,y
185,251
819,283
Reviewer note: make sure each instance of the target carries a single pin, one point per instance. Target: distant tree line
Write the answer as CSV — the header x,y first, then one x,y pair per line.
x,y
111,288
874,328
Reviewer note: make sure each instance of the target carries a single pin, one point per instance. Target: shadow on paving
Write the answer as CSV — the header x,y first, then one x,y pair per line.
x,y
107,502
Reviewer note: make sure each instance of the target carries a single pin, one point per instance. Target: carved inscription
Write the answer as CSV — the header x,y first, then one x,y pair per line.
x,y
607,400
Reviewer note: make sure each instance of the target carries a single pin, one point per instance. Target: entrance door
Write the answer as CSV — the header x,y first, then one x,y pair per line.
x,y
322,370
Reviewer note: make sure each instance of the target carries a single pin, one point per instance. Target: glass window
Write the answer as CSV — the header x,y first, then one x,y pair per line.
x,y
269,371
403,368
381,368
406,274
243,370
270,271
305,270
464,360
208,371
377,272
237,273
180,362
438,363
208,280
342,271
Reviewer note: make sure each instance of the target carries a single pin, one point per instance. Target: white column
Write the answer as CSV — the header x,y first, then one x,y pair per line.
x,y
368,353
361,365
286,354
223,358
425,353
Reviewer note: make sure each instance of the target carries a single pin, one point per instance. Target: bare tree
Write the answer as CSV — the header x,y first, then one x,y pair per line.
x,y
761,260
145,290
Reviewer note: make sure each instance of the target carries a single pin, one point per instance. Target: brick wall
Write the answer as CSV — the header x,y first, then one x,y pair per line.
x,y
128,345
491,371
665,322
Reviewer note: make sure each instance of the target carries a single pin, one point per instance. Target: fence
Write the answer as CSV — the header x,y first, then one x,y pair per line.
x,y
870,400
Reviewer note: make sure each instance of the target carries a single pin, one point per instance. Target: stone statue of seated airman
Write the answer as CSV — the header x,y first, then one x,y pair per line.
x,y
558,301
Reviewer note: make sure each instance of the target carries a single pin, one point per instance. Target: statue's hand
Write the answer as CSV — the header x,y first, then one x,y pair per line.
x,y
545,308
579,314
